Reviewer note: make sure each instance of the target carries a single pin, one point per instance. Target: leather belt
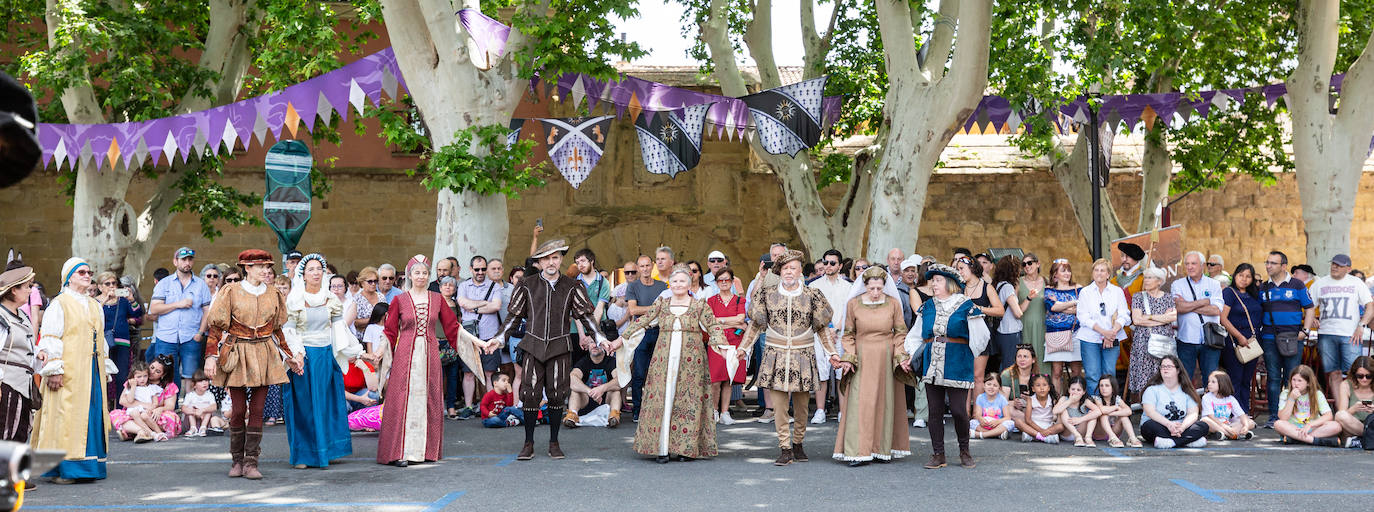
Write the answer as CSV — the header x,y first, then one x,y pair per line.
x,y
957,341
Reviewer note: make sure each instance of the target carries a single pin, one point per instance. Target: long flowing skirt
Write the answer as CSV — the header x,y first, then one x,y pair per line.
x,y
676,416
93,466
316,413
871,424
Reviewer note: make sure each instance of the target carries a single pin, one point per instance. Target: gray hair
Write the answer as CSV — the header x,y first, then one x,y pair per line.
x,y
1155,272
448,280
495,260
386,266
1201,258
665,249
207,268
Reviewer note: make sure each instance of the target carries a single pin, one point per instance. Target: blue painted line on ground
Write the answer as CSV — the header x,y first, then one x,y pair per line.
x,y
1204,493
506,461
443,502
424,506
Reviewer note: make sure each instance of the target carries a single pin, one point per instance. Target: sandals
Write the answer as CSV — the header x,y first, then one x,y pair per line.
x,y
142,437
1090,444
1116,443
1135,444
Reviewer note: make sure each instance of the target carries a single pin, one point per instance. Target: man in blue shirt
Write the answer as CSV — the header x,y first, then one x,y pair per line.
x,y
386,282
1287,307
180,301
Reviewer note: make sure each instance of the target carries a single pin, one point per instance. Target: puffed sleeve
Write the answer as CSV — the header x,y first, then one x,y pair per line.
x,y
217,321
51,343
295,322
913,343
978,334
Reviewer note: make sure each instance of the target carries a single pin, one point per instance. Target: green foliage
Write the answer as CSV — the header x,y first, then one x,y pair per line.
x,y
142,59
479,161
569,36
1045,54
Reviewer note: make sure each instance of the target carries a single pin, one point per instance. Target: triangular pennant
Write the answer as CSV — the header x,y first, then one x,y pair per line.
x,y
356,96
575,145
671,144
112,154
634,107
514,134
293,120
789,117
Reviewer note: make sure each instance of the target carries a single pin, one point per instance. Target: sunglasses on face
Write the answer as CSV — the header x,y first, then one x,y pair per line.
x,y
715,260
861,268
232,279
84,272
479,269
212,276
370,281
1029,262
110,283
631,272
1362,376
831,263
388,278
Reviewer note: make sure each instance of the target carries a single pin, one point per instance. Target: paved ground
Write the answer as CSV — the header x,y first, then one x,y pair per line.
x,y
479,473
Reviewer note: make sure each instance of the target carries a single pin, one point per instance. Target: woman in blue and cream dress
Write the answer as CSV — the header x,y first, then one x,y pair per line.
x,y
75,364
316,412
948,334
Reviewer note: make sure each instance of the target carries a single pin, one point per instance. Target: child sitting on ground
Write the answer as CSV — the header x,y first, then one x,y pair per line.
x,y
1040,424
199,407
990,411
1222,412
1116,418
498,405
1078,413
136,420
1304,416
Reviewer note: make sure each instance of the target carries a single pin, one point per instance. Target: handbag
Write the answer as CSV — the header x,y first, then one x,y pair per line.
x,y
1248,353
1159,345
1287,343
1059,341
1213,334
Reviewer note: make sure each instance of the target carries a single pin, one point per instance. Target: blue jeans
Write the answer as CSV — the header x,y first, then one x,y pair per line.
x,y
755,359
644,354
353,406
1338,353
501,418
1098,361
1195,356
452,380
188,355
1276,368
1242,374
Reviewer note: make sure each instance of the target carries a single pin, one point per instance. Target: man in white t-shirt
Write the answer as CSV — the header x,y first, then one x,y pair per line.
x,y
1345,305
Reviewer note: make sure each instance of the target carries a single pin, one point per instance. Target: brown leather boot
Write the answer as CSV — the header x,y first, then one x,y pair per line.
x,y
555,451
784,457
236,451
966,458
937,461
798,454
526,452
252,447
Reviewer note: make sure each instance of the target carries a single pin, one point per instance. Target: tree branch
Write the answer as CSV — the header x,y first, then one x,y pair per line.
x,y
1357,93
759,38
442,25
942,41
78,99
715,34
899,47
969,70
232,24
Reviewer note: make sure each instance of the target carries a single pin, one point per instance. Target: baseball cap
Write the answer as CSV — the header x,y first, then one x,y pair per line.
x,y
913,261
715,254
186,252
294,255
1341,259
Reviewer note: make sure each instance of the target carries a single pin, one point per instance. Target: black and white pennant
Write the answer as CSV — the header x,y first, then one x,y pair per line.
x,y
671,141
788,118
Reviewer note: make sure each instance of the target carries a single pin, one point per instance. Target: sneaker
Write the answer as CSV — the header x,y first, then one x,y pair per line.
x,y
1354,442
1136,408
1331,442
819,417
1026,438
1269,424
1200,443
1052,439
1164,443
726,419
768,418
919,423
466,413
1248,436
716,415
1003,436
973,434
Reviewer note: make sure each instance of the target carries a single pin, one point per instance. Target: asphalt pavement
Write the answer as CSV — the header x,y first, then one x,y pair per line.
x,y
479,472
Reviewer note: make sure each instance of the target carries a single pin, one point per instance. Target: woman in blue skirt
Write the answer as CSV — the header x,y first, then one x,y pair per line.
x,y
316,411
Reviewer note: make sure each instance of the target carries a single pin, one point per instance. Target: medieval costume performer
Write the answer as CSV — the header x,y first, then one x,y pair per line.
x,y
872,425
245,354
17,390
949,332
1132,267
316,411
676,416
549,303
792,315
75,363
413,401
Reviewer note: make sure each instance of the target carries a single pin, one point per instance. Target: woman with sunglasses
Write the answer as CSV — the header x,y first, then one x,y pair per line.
x,y
75,360
1355,400
120,314
359,310
1030,295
